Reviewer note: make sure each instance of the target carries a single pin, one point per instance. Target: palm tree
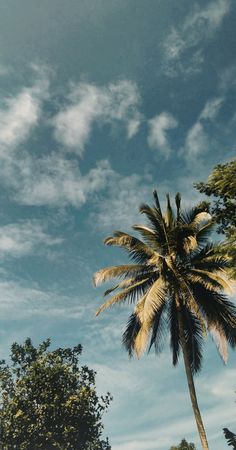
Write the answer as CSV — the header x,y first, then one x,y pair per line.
x,y
176,281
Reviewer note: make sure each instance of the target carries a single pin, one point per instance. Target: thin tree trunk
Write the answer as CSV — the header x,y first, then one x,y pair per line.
x,y
192,391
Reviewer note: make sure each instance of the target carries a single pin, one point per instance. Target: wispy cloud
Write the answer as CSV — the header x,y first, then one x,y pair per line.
x,y
182,50
221,385
20,301
56,181
51,180
172,431
90,104
20,114
211,108
158,133
120,209
227,79
20,239
118,206
198,141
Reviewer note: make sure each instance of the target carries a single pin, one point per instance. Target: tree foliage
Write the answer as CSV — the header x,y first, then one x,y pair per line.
x,y
49,402
221,185
184,445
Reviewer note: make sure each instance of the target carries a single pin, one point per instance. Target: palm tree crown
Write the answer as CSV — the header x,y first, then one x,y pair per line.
x,y
177,279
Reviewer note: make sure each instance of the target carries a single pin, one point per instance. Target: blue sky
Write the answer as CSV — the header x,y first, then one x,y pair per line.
x,y
101,101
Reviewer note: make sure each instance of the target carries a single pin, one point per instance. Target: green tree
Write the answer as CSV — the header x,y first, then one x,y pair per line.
x,y
49,402
221,185
177,281
184,445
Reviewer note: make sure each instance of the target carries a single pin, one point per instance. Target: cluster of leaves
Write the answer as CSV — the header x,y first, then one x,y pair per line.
x,y
221,184
49,402
184,445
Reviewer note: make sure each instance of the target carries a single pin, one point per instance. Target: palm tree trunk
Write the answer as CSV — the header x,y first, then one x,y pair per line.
x,y
192,391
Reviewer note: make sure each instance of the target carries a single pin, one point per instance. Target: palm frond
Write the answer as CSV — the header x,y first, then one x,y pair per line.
x,y
193,217
201,217
174,331
178,204
169,215
141,339
212,264
129,282
159,329
153,216
130,333
190,243
118,271
182,240
123,284
208,283
138,251
187,216
184,287
155,297
220,340
209,257
218,311
157,203
149,236
194,339
204,232
230,437
221,279
148,310
130,292
158,221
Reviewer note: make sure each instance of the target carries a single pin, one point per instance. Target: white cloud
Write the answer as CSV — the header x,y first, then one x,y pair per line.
x,y
222,385
181,48
21,113
120,209
227,79
168,430
133,127
90,104
173,432
211,17
55,181
198,141
51,180
158,128
22,238
20,302
211,108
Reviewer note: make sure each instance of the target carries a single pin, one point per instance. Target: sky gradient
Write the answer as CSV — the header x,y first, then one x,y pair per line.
x,y
101,101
